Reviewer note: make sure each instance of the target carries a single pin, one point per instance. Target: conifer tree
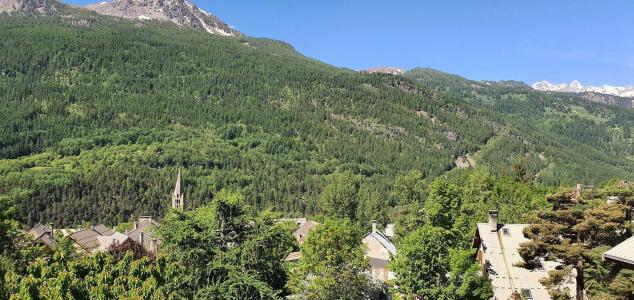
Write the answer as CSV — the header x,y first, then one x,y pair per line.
x,y
566,234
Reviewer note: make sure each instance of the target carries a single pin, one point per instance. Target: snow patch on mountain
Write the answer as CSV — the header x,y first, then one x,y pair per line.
x,y
577,87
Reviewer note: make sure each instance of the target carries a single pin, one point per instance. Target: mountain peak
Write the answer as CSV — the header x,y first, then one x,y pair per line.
x,y
385,70
179,12
29,6
577,87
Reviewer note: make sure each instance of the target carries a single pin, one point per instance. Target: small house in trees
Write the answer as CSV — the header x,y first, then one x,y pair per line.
x,y
623,254
302,231
143,233
379,250
300,235
498,255
43,234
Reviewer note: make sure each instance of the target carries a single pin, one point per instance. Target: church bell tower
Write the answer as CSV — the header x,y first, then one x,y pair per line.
x,y
178,198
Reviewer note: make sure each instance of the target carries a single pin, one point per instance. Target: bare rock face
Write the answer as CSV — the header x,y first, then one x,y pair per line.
x,y
609,99
29,6
180,12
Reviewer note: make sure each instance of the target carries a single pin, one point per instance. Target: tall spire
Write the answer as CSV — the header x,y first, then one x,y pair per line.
x,y
178,198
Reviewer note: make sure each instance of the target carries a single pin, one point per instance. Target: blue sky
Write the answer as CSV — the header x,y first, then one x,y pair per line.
x,y
562,40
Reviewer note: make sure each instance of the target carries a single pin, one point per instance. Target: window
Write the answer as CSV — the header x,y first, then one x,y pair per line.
x,y
506,232
526,294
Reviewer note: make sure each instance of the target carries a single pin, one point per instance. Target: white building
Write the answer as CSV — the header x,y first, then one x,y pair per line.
x,y
379,250
498,246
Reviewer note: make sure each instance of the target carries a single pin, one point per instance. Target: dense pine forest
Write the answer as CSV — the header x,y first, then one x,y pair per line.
x,y
99,115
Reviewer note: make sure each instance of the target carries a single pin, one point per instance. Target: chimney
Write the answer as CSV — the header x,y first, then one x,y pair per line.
x,y
374,223
516,296
135,225
92,227
141,238
51,232
493,220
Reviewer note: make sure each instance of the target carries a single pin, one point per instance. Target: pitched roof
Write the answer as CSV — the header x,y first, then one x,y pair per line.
x,y
86,239
500,257
106,241
384,241
146,226
41,233
623,252
294,256
302,232
103,230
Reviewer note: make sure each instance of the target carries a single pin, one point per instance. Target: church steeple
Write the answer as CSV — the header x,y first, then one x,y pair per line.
x,y
178,198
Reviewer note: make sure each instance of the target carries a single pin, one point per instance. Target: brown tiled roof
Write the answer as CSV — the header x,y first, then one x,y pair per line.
x,y
145,226
87,239
42,234
293,256
302,232
103,230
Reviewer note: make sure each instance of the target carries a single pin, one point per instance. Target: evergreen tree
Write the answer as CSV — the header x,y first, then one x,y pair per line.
x,y
567,234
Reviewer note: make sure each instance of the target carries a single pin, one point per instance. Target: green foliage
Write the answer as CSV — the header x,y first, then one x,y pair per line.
x,y
422,263
443,204
552,138
332,265
568,234
409,188
341,196
225,251
465,277
66,275
96,120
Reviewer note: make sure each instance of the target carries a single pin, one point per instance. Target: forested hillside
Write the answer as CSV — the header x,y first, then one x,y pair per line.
x,y
562,137
97,115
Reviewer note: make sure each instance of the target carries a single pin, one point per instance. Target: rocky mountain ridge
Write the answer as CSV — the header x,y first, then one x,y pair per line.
x,y
29,6
179,12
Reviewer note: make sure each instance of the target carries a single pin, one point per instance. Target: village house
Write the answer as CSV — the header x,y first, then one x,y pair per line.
x,y
300,235
379,249
622,254
43,234
498,255
143,233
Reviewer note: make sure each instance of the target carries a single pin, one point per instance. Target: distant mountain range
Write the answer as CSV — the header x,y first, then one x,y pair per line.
x,y
576,87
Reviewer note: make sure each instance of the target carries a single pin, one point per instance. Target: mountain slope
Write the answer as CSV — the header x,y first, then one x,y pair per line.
x,y
553,132
96,121
179,12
